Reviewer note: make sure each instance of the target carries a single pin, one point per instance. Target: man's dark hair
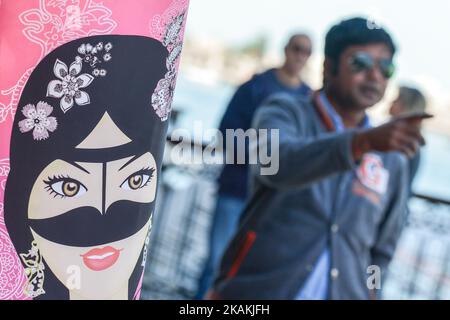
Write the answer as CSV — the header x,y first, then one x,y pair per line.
x,y
355,31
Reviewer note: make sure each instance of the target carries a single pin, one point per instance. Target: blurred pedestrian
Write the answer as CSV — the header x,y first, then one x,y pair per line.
x,y
233,181
409,100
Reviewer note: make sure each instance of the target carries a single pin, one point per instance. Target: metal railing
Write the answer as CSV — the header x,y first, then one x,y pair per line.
x,y
420,268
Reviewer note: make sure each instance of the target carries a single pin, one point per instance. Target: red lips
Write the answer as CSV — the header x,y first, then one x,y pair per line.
x,y
99,259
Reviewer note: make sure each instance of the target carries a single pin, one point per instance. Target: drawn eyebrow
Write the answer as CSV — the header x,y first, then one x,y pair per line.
x,y
78,166
132,160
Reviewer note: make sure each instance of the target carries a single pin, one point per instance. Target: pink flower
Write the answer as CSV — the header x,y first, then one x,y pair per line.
x,y
38,120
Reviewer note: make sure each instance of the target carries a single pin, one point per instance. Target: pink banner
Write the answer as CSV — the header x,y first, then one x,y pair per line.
x,y
86,90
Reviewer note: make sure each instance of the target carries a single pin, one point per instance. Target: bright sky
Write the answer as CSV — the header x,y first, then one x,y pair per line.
x,y
420,28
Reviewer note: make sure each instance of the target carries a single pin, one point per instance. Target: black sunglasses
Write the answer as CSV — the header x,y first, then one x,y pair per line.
x,y
362,61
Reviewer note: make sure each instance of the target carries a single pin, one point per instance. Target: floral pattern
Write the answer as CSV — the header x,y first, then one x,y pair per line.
x,y
68,87
90,55
11,97
56,22
12,275
163,94
38,119
69,84
4,171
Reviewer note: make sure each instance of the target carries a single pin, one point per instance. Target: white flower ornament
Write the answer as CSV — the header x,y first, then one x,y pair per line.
x,y
67,88
38,119
95,56
69,84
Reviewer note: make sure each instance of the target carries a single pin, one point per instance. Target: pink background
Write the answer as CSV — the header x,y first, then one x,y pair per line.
x,y
29,30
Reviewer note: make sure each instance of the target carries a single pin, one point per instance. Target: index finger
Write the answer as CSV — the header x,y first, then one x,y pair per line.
x,y
415,116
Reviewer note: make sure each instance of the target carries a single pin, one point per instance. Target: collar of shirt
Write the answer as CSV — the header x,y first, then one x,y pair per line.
x,y
303,88
335,117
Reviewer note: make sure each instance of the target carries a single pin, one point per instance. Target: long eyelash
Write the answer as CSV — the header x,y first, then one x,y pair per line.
x,y
146,170
53,192
150,172
56,178
52,180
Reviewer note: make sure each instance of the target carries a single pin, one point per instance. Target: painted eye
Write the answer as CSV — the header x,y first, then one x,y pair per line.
x,y
135,182
66,187
138,180
70,189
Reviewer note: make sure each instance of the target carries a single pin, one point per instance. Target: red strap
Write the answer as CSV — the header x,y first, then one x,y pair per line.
x,y
212,295
250,238
323,114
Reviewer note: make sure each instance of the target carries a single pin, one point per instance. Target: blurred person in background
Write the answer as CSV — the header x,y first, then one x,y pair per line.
x,y
409,100
337,204
233,181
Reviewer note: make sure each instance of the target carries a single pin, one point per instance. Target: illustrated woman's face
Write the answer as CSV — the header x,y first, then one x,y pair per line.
x,y
90,220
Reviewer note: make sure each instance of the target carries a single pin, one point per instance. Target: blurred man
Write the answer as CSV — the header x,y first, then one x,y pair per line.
x,y
409,100
233,182
334,210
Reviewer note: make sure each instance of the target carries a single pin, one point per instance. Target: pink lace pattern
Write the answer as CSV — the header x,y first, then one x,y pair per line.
x,y
12,277
54,23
